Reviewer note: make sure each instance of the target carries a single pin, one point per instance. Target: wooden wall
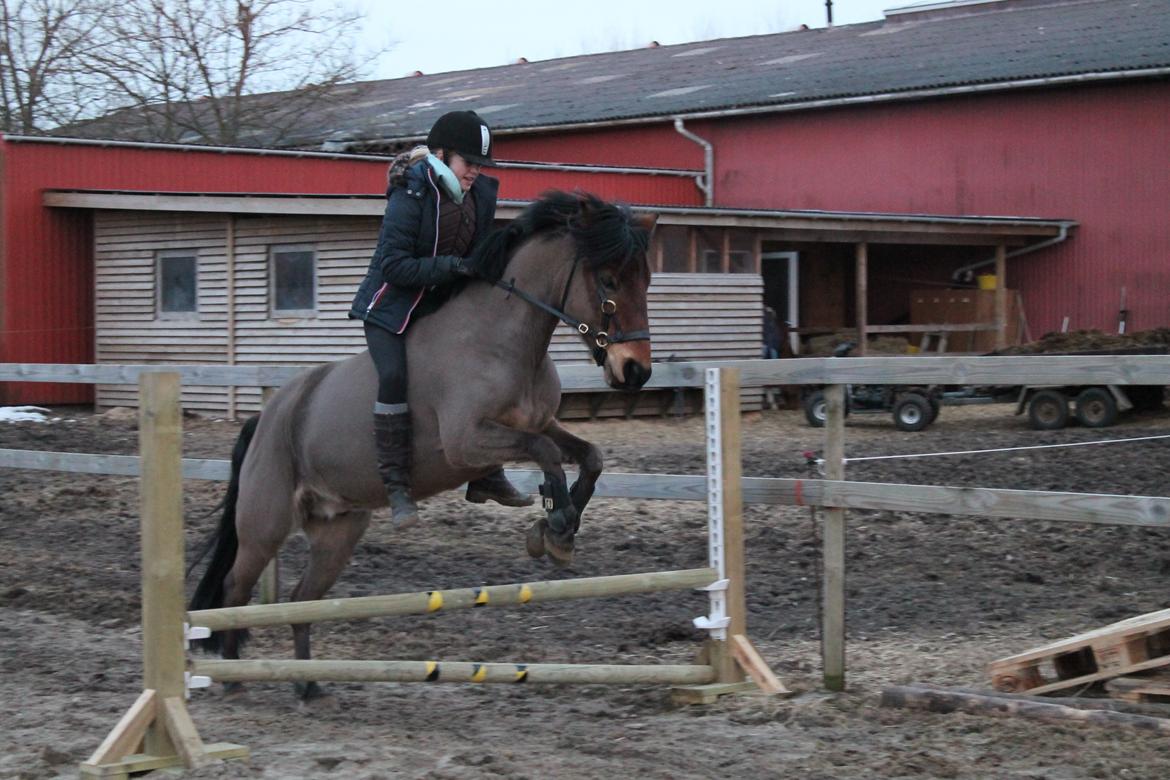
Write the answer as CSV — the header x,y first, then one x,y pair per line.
x,y
692,316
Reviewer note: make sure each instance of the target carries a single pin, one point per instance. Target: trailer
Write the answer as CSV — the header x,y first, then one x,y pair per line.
x,y
1050,407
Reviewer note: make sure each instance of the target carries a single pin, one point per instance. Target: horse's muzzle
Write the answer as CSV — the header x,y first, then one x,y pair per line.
x,y
634,375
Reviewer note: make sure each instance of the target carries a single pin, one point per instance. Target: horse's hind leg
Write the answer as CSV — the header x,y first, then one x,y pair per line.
x,y
331,544
261,531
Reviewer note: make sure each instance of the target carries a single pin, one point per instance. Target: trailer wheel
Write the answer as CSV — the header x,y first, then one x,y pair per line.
x,y
912,412
1048,410
1096,407
935,407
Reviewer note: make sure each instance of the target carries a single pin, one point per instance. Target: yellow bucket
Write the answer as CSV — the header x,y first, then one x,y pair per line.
x,y
986,281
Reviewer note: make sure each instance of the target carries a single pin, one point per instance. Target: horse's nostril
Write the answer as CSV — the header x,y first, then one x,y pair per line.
x,y
635,373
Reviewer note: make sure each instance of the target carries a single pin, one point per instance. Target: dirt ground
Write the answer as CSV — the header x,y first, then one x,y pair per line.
x,y
931,599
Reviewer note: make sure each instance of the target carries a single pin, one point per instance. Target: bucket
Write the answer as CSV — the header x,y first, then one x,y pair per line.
x,y
986,281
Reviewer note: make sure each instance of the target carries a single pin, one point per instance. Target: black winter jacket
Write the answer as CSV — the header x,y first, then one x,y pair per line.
x,y
404,265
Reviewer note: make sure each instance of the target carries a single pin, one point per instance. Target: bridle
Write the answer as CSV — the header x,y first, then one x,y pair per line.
x,y
601,337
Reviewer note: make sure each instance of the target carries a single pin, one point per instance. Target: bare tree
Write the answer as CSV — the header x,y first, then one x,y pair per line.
x,y
222,71
42,80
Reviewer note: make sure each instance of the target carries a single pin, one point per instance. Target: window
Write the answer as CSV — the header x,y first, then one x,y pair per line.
x,y
176,280
293,271
739,261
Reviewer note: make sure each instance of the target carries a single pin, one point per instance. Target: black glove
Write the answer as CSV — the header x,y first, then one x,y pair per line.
x,y
463,267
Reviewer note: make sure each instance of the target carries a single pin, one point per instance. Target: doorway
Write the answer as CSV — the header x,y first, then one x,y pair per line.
x,y
781,272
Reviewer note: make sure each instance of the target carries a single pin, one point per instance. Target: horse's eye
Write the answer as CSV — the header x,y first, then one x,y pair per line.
x,y
608,281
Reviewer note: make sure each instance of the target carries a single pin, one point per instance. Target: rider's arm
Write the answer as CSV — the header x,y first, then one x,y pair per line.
x,y
396,247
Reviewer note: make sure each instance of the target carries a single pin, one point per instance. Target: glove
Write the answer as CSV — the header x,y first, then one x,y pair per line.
x,y
462,267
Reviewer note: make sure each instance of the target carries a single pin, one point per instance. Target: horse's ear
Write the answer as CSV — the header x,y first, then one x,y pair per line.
x,y
646,221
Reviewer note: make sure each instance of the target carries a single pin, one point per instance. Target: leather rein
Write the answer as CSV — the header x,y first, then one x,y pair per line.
x,y
601,337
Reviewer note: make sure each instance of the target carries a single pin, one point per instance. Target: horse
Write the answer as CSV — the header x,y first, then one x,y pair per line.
x,y
482,391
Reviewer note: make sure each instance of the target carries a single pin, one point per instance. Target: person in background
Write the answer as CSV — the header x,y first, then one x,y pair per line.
x,y
440,206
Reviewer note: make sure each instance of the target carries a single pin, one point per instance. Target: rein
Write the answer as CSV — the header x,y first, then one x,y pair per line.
x,y
601,337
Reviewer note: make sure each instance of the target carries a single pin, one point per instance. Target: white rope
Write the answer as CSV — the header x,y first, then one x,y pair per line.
x,y
1006,449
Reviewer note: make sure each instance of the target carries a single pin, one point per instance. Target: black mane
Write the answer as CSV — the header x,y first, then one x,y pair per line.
x,y
606,234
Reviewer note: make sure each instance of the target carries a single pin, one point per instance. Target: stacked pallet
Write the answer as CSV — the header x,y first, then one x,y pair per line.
x,y
1119,655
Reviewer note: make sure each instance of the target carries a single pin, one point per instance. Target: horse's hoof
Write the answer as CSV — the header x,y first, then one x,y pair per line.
x,y
559,549
534,539
313,693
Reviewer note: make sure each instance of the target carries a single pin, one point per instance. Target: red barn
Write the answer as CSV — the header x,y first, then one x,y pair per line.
x,y
853,167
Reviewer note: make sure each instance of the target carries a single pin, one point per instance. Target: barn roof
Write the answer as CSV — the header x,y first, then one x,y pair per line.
x,y
798,224
920,51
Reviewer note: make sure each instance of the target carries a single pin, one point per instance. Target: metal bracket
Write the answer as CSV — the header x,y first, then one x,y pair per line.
x,y
717,585
711,624
192,681
191,633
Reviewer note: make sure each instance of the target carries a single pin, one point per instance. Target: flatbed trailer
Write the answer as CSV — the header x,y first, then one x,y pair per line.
x,y
1050,407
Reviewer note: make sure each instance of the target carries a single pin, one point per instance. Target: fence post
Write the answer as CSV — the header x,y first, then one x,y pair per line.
x,y
164,651
725,518
833,547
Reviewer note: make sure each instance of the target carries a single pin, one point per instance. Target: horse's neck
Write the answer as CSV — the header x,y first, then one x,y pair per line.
x,y
507,324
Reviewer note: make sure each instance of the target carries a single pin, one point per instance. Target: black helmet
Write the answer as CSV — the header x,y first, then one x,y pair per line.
x,y
463,132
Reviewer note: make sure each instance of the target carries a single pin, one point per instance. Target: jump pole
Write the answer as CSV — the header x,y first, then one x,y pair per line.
x,y
157,731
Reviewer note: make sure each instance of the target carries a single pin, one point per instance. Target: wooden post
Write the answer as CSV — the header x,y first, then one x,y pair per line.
x,y
158,720
861,294
270,577
692,250
659,254
833,541
725,252
164,650
1000,296
757,253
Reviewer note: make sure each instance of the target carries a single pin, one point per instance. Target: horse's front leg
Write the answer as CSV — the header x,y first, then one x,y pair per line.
x,y
491,444
588,459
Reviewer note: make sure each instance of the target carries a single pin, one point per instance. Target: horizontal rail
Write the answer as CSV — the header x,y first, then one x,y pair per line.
x,y
1098,508
452,671
959,370
424,602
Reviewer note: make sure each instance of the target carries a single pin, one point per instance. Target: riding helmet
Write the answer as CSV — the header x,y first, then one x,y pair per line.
x,y
463,132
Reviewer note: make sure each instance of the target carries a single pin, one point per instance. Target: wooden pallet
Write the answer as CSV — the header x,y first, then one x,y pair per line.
x,y
1153,688
1136,644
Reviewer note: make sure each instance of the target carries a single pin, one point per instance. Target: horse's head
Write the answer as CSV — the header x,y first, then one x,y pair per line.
x,y
610,296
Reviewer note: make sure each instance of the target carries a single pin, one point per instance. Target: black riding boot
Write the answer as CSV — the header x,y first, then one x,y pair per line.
x,y
393,441
496,487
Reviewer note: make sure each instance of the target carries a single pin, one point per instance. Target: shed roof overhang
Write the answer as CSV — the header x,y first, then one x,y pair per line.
x,y
790,225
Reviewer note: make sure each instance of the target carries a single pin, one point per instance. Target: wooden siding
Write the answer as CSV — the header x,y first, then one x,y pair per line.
x,y
692,316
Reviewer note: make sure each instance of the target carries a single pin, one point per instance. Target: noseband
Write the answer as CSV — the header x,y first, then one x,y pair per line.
x,y
601,337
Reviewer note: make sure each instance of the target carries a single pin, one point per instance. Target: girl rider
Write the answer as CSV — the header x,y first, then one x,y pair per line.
x,y
439,209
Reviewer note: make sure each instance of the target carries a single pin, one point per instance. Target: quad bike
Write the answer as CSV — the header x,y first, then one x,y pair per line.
x,y
913,407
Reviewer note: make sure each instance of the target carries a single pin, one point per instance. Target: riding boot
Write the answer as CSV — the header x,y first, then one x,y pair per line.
x,y
394,444
496,487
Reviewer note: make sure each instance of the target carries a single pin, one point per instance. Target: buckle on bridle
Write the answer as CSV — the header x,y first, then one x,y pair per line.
x,y
601,339
583,329
608,306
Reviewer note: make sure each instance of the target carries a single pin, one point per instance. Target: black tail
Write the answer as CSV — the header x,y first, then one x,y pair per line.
x,y
209,592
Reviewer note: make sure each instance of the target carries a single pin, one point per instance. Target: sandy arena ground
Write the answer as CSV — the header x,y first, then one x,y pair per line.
x,y
931,599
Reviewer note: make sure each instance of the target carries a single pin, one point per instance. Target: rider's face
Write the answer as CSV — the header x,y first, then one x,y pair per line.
x,y
465,171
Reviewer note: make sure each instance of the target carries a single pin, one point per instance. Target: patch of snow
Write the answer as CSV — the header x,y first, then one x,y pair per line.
x,y
23,414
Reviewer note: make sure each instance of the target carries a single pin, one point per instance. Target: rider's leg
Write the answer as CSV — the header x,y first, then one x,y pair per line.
x,y
496,487
392,430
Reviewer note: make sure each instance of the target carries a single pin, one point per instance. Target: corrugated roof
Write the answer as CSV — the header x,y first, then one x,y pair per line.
x,y
995,44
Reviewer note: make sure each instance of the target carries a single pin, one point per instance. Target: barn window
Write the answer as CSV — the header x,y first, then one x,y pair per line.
x,y
177,283
293,271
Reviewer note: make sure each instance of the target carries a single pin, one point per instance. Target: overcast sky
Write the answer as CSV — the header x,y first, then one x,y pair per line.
x,y
447,35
